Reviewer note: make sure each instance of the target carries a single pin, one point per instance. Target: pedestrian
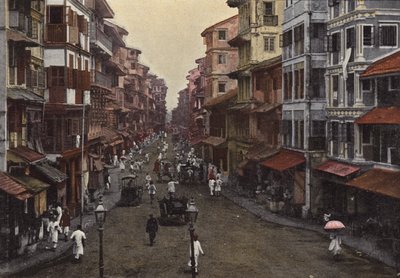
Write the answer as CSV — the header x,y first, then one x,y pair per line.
x,y
107,181
79,242
211,185
65,223
152,228
217,187
171,188
148,178
334,246
147,157
122,165
58,211
115,160
197,250
53,228
152,189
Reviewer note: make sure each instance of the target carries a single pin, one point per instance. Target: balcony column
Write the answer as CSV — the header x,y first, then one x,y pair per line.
x,y
357,91
358,150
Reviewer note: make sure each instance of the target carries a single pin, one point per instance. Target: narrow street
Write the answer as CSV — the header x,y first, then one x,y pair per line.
x,y
236,244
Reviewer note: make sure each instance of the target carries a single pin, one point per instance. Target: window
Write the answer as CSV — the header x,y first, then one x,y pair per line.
x,y
268,8
351,42
35,30
221,59
335,89
299,39
221,87
366,85
350,89
287,79
388,35
222,35
287,132
299,134
394,83
335,4
133,66
289,3
368,35
366,134
335,131
269,44
351,5
57,77
318,128
56,15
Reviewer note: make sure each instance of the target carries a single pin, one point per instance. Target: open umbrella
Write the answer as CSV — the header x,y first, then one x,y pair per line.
x,y
334,225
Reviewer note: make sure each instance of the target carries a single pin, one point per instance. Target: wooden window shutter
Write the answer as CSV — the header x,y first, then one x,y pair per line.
x,y
49,79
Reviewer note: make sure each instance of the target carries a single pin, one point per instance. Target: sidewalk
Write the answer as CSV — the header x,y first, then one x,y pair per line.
x,y
367,247
42,256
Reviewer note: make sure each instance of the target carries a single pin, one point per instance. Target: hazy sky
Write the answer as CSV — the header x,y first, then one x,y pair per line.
x,y
168,33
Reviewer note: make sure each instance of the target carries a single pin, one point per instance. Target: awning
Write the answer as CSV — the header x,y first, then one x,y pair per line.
x,y
196,140
260,152
221,99
266,107
242,107
50,172
13,188
18,37
381,116
385,66
111,136
214,141
284,160
23,94
237,41
338,169
379,181
31,184
24,153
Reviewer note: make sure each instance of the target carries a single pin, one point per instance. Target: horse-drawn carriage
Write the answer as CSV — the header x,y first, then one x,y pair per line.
x,y
131,193
173,211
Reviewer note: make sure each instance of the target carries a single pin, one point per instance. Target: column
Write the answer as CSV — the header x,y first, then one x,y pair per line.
x,y
357,91
358,143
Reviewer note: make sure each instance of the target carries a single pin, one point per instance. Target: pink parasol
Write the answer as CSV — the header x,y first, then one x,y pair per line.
x,y
334,225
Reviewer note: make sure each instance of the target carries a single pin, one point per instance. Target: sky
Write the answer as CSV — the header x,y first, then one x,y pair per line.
x,y
168,34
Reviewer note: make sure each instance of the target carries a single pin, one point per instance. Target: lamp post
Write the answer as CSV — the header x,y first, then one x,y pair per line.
x,y
191,213
100,214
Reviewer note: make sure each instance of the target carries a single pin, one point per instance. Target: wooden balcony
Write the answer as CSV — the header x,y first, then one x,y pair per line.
x,y
56,33
100,79
100,40
270,20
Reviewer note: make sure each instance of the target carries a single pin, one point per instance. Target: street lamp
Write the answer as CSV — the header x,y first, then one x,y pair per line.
x,y
191,213
100,214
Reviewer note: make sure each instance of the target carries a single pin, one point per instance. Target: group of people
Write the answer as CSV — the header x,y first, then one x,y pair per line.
x,y
59,222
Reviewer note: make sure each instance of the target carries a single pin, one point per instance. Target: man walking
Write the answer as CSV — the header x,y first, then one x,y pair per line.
x,y
152,228
152,191
171,188
197,251
79,242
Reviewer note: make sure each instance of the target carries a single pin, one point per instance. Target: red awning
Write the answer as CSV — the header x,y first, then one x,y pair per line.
x,y
387,65
379,181
381,116
284,160
338,169
12,187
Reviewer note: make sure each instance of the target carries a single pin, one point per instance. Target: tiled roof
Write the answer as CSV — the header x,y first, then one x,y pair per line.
x,y
53,174
12,187
221,99
27,154
31,184
284,160
381,116
387,65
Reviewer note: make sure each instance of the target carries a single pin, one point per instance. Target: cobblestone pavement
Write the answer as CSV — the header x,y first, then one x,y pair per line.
x,y
236,244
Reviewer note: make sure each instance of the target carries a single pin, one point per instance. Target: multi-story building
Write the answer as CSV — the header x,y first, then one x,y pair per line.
x,y
68,64
221,58
257,41
362,110
303,111
159,91
198,115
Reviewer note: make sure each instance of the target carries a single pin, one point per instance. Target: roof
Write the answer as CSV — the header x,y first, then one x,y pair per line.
x,y
242,107
338,169
387,65
27,154
266,107
214,141
221,99
12,187
50,172
267,63
196,140
260,152
284,160
23,94
237,41
31,184
208,29
379,181
110,134
18,37
381,116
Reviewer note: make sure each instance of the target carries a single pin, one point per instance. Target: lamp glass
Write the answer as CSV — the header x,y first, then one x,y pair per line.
x,y
100,214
